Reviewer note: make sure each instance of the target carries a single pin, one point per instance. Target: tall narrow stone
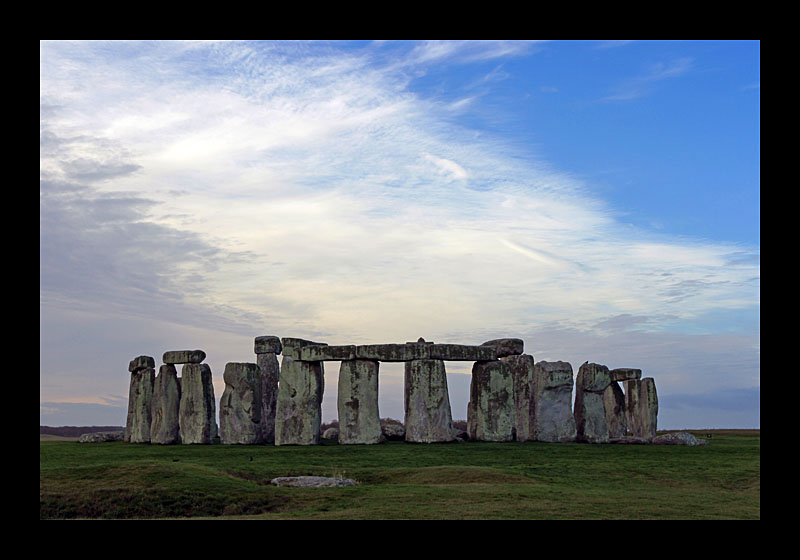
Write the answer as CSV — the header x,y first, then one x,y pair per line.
x,y
270,373
140,400
614,402
490,412
165,427
240,405
590,410
357,402
198,409
299,405
553,420
428,417
522,367
641,406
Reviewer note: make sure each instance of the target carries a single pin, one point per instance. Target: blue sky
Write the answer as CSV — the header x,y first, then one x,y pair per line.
x,y
599,199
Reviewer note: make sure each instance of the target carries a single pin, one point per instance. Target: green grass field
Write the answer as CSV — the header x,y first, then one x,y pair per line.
x,y
405,481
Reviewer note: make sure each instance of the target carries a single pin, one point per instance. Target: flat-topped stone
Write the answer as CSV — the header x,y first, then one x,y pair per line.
x,y
141,362
323,353
506,346
183,357
393,352
461,352
267,345
291,346
624,374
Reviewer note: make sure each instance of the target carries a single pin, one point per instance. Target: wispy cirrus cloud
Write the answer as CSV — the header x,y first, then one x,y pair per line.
x,y
640,86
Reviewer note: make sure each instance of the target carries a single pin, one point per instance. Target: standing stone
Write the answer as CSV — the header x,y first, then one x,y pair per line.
x,y
641,404
269,371
522,368
553,420
140,400
614,402
590,410
198,410
165,426
357,402
299,405
240,405
428,418
490,412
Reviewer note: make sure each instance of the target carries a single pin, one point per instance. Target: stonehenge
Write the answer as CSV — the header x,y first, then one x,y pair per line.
x,y
512,397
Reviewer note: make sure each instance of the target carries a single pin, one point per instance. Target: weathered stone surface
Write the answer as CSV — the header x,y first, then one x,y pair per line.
x,y
490,412
392,352
614,402
461,352
357,402
184,357
198,409
299,407
553,420
623,374
327,353
506,346
630,440
165,425
240,405
270,372
267,345
140,402
677,438
522,367
99,437
428,417
590,410
141,362
392,431
291,346
311,481
641,405
331,433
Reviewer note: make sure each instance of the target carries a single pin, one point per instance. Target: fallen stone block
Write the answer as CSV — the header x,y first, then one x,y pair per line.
x,y
678,438
311,481
392,352
461,352
184,357
267,345
99,437
506,346
327,353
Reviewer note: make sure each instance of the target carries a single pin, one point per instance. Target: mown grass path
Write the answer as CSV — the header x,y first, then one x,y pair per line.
x,y
405,481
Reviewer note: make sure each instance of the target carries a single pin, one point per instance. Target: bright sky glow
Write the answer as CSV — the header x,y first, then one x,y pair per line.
x,y
600,200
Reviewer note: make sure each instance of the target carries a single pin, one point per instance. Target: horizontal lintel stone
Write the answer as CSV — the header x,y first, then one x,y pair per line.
x,y
624,374
184,357
141,362
291,346
267,345
506,346
323,353
392,352
461,352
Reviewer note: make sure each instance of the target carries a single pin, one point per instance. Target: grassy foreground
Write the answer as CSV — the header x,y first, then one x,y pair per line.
x,y
473,480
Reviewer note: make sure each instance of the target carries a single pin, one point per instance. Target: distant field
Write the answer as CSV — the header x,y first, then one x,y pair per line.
x,y
406,481
50,437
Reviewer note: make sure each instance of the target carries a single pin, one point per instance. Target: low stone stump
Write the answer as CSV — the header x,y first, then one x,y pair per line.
x,y
522,367
140,400
490,412
299,406
553,420
428,417
678,438
357,402
240,405
198,410
165,426
590,410
100,437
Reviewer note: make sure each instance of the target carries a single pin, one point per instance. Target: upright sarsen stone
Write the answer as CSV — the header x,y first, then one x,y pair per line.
x,y
641,406
522,367
490,412
590,410
553,420
614,402
428,417
298,414
269,371
240,405
198,409
165,426
140,400
357,402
